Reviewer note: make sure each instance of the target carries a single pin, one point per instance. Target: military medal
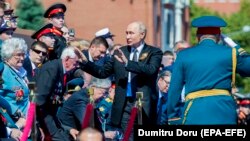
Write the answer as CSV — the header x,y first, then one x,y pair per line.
x,y
19,95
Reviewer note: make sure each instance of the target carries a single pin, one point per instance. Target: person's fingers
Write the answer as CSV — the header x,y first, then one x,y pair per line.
x,y
82,56
118,58
241,115
16,138
74,136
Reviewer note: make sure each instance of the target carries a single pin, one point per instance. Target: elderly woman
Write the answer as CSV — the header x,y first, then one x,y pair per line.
x,y
14,86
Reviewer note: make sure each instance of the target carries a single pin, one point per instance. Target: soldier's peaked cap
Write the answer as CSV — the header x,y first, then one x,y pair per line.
x,y
208,24
209,21
45,30
105,33
55,9
74,85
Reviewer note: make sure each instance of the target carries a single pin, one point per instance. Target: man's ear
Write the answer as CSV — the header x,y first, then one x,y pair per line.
x,y
142,35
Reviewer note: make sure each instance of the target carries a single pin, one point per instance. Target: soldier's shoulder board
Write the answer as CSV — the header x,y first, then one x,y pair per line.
x,y
241,51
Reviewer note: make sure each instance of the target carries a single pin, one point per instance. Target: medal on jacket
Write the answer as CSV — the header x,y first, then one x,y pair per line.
x,y
56,100
19,95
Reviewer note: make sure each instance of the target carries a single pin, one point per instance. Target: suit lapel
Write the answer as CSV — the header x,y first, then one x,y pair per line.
x,y
127,51
144,53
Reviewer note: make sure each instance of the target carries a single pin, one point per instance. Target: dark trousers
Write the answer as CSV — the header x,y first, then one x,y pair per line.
x,y
126,117
56,133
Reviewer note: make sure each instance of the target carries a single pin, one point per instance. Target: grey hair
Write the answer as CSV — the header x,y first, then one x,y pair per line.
x,y
100,83
68,52
142,27
164,73
11,45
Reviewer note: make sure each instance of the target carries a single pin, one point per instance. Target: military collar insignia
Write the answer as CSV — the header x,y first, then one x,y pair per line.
x,y
241,51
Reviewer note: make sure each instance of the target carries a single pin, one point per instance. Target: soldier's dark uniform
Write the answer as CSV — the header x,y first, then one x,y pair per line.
x,y
57,10
206,71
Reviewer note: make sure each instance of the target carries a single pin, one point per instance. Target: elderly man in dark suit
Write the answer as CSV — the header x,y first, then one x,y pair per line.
x,y
132,74
51,87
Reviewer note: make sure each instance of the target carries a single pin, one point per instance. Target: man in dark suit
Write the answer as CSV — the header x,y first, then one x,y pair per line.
x,y
37,54
132,76
105,33
96,51
51,87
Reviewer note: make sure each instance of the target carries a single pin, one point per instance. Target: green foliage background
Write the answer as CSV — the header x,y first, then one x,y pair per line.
x,y
234,30
30,14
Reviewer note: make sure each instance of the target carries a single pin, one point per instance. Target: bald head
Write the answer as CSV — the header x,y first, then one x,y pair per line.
x,y
90,134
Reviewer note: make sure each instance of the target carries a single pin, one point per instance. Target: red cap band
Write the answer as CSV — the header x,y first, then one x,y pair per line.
x,y
57,10
46,31
56,31
245,102
208,30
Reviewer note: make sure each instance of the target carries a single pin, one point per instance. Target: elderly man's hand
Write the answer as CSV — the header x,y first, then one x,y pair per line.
x,y
16,134
21,122
73,132
110,134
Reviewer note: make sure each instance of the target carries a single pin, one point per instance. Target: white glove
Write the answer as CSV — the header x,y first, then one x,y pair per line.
x,y
228,41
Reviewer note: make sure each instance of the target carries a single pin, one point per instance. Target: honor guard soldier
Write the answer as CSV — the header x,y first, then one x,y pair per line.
x,y
208,71
55,14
